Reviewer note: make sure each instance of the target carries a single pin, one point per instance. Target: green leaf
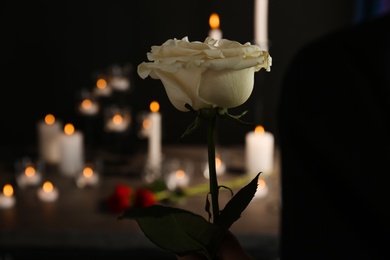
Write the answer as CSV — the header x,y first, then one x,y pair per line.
x,y
237,204
177,230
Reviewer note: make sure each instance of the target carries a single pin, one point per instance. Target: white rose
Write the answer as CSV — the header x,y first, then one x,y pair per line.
x,y
204,74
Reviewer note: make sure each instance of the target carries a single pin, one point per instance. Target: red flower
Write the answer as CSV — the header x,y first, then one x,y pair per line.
x,y
120,199
144,198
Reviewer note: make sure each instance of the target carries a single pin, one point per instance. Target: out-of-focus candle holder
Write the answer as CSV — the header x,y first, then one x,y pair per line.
x,y
89,108
7,199
119,77
87,104
28,172
177,173
117,120
101,87
143,125
48,192
220,166
90,175
118,132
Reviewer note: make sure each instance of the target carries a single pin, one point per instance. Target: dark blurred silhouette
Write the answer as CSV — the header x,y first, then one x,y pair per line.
x,y
334,132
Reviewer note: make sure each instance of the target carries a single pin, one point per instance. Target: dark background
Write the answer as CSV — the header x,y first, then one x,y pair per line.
x,y
51,50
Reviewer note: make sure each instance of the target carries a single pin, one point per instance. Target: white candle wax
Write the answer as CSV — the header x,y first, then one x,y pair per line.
x,y
120,83
154,141
48,193
88,107
30,177
71,151
87,178
261,25
177,180
215,34
48,131
7,200
259,152
262,189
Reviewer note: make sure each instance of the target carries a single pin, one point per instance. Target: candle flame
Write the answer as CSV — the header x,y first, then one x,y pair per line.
x,y
260,184
50,119
101,83
47,186
87,172
29,171
8,191
154,106
117,119
180,174
214,21
69,129
86,103
259,129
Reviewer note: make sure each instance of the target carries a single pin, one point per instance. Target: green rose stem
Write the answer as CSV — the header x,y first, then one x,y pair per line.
x,y
214,190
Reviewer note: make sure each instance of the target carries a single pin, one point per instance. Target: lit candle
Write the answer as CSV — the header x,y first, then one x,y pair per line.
x,y
214,22
71,151
117,123
29,177
119,83
48,192
88,177
261,26
259,152
88,107
154,141
7,199
219,167
178,179
145,129
262,189
102,88
48,131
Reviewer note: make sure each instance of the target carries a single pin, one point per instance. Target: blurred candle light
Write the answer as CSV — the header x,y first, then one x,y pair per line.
x,y
102,88
259,151
48,193
48,130
214,23
154,141
29,177
7,199
146,126
88,107
262,188
116,123
220,167
178,179
71,151
88,177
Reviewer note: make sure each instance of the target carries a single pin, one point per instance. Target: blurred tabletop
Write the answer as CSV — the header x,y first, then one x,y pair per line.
x,y
77,219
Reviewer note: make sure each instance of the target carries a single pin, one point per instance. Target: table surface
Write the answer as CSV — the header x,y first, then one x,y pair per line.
x,y
77,218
